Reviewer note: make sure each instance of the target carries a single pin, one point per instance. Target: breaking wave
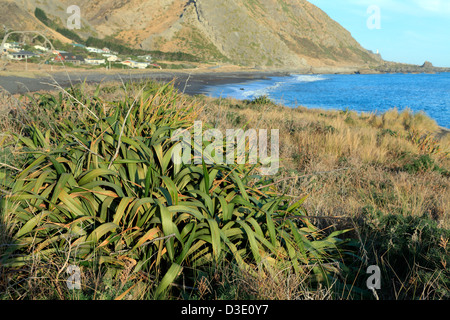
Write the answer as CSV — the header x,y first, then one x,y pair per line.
x,y
259,88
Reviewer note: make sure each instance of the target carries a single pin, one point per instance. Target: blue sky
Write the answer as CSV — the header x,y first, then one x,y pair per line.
x,y
411,31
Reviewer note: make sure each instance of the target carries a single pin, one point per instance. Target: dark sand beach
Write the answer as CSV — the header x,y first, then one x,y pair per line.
x,y
189,83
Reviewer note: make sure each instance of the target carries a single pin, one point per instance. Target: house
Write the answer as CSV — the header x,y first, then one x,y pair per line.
x,y
78,45
13,46
135,64
110,57
69,57
41,48
94,62
21,55
106,50
94,50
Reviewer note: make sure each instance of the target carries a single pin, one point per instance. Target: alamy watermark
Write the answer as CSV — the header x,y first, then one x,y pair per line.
x,y
74,280
74,20
374,20
236,147
374,281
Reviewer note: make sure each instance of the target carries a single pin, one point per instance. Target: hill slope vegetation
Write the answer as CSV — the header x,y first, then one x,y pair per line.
x,y
291,34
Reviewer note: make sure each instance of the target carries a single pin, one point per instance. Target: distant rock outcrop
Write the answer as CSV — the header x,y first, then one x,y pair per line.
x,y
394,67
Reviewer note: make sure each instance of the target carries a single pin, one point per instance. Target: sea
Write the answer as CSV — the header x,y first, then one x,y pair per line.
x,y
372,93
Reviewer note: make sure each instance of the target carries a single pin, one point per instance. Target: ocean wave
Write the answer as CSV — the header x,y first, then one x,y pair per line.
x,y
261,91
309,78
264,89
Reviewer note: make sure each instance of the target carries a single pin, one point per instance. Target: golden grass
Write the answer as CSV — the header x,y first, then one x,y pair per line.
x,y
372,148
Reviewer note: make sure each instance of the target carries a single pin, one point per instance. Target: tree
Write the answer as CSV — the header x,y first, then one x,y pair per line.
x,y
40,14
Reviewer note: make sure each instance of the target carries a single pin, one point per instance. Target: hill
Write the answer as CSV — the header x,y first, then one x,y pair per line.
x,y
290,34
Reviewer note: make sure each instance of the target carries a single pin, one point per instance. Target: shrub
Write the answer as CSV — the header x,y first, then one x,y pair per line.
x,y
40,14
261,100
102,192
423,163
70,34
412,253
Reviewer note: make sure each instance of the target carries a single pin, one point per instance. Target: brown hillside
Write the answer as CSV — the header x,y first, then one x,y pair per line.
x,y
262,33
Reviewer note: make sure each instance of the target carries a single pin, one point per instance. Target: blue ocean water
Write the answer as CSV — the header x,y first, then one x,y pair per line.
x,y
429,93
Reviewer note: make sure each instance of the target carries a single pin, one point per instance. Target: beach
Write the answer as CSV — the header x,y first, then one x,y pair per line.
x,y
186,81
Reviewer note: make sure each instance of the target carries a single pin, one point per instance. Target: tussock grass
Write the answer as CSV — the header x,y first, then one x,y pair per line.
x,y
403,148
369,168
385,177
99,189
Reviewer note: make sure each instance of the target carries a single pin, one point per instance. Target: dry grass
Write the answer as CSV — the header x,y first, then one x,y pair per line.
x,y
48,281
281,285
350,166
229,282
364,167
372,149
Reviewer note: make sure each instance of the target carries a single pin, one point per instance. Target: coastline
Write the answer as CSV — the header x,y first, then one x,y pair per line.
x,y
188,82
191,82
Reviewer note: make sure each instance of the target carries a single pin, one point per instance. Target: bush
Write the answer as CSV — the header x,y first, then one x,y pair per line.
x,y
70,34
102,192
423,163
261,100
40,14
412,253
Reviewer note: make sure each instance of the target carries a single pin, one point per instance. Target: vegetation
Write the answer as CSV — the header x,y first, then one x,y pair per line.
x,y
87,179
42,16
69,34
384,176
120,48
102,192
112,43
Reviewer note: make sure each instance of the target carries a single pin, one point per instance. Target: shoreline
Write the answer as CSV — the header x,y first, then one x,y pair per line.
x,y
187,82
190,82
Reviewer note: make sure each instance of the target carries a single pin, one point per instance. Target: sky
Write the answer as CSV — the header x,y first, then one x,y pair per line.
x,y
409,31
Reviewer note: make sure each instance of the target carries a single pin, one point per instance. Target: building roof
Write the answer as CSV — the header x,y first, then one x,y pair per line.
x,y
71,57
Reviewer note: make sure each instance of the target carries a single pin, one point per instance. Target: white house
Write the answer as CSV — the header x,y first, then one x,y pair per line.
x,y
94,50
135,64
41,48
94,62
11,45
110,57
21,55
